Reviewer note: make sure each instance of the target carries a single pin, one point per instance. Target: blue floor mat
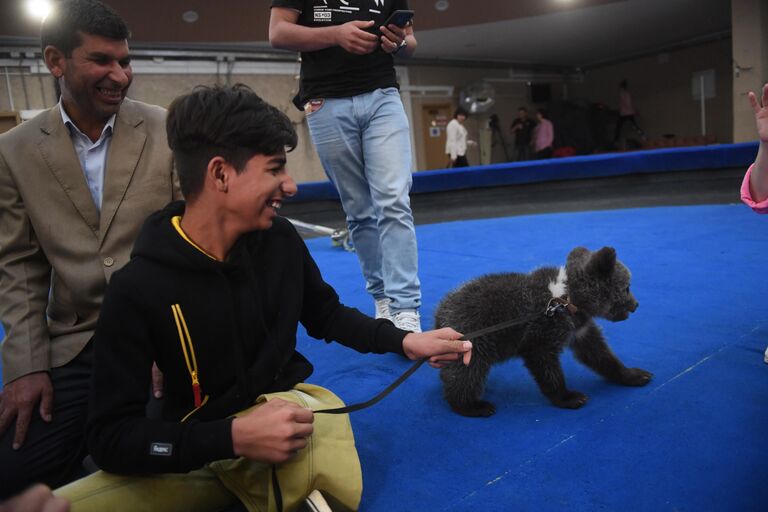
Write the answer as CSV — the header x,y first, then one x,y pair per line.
x,y
693,439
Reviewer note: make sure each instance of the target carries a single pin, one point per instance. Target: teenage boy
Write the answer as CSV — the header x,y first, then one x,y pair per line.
x,y
214,293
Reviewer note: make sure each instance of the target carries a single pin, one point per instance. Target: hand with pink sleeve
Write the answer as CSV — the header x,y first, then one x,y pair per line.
x,y
754,191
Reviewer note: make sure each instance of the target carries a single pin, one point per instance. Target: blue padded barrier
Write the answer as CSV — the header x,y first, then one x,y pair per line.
x,y
717,156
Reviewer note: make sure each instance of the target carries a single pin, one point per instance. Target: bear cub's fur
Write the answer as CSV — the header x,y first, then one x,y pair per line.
x,y
595,282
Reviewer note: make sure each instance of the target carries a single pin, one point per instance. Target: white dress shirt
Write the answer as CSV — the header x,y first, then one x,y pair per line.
x,y
92,155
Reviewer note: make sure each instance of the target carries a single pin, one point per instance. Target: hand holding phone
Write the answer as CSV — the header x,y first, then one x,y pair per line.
x,y
393,40
399,18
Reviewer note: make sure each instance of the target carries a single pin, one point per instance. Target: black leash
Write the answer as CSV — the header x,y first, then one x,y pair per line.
x,y
555,304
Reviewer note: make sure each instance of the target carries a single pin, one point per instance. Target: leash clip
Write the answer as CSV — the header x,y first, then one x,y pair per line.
x,y
554,305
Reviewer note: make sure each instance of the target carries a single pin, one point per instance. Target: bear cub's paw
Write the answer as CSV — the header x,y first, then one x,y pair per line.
x,y
635,377
569,400
477,409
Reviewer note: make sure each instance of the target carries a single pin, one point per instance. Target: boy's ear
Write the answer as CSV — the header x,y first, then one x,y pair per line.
x,y
603,261
218,173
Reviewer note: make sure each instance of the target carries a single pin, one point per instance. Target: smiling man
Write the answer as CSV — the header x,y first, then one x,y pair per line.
x,y
214,293
76,182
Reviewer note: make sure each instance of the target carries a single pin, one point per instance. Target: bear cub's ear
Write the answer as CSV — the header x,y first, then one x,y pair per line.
x,y
602,262
578,258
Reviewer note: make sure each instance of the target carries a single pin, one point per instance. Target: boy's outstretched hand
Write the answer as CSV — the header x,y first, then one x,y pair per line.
x,y
440,346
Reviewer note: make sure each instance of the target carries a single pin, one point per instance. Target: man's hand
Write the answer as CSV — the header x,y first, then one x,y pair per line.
x,y
440,346
352,37
391,37
38,498
761,113
19,398
273,432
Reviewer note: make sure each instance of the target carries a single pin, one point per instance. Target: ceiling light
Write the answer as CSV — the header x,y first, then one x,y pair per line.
x,y
190,16
442,5
39,9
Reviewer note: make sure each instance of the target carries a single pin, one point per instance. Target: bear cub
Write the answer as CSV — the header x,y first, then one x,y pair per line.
x,y
596,283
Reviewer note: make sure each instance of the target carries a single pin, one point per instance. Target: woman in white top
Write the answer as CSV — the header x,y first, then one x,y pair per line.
x,y
456,141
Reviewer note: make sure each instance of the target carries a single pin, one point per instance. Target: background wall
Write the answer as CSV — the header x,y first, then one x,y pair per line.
x,y
660,85
662,91
750,61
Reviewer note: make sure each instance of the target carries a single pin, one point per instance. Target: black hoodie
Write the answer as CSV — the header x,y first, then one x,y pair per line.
x,y
222,333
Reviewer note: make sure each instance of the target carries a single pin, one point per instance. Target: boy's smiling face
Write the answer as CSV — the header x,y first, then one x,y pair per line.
x,y
257,192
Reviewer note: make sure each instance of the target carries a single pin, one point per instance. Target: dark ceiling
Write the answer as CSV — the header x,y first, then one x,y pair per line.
x,y
550,32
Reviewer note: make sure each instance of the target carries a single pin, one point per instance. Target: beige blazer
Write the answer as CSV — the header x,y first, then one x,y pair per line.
x,y
56,252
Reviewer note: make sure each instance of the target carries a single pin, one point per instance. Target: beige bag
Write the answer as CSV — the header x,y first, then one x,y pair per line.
x,y
329,463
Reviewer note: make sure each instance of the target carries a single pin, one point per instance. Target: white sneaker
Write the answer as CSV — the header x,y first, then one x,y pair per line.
x,y
407,320
765,357
382,308
315,502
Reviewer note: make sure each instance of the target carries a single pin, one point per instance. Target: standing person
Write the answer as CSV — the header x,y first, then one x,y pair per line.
x,y
522,127
76,182
456,139
543,136
214,292
349,93
626,112
754,188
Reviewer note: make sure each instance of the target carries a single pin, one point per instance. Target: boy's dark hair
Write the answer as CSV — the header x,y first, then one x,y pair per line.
x,y
228,121
460,111
69,18
522,109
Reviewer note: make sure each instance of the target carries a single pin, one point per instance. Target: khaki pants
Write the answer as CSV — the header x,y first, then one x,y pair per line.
x,y
329,463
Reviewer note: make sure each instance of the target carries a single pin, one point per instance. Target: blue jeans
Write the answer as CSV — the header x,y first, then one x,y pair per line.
x,y
364,145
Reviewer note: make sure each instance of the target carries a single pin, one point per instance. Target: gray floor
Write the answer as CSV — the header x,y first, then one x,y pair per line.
x,y
714,186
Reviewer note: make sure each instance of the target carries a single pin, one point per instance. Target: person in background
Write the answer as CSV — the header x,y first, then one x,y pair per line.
x,y
349,93
456,139
626,113
522,127
754,188
543,136
76,182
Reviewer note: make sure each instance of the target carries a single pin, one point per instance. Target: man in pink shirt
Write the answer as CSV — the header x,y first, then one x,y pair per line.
x,y
626,113
543,136
754,188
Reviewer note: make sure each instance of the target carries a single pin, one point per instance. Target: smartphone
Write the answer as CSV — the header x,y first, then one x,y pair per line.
x,y
399,18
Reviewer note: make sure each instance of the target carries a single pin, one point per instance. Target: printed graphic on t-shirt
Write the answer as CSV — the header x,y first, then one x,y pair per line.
x,y
341,11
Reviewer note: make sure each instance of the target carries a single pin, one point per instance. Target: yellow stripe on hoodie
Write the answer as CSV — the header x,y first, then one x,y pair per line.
x,y
176,221
189,356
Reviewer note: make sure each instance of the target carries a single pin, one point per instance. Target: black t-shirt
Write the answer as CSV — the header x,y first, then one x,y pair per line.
x,y
333,72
